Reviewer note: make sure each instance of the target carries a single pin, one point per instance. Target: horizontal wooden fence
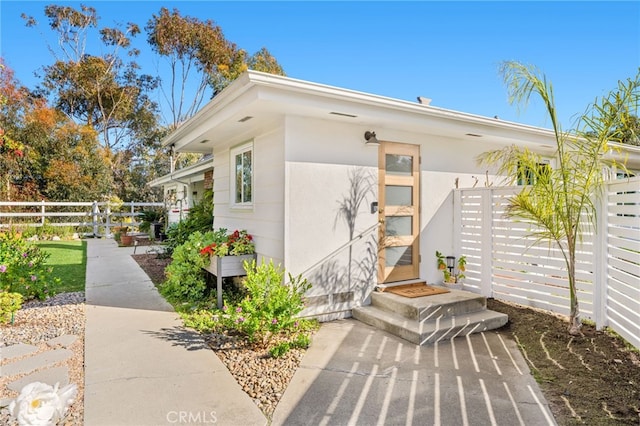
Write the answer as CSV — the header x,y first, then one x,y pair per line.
x,y
95,218
506,262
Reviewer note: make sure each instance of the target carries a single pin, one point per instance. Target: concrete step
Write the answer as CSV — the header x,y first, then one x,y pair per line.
x,y
433,330
456,302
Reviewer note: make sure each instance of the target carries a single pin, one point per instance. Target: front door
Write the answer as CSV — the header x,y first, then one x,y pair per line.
x,y
398,212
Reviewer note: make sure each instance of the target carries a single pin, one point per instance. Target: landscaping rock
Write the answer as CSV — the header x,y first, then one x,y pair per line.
x,y
35,362
65,341
50,376
15,351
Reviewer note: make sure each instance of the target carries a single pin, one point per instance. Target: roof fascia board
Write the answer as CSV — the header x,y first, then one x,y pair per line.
x,y
331,92
224,98
191,170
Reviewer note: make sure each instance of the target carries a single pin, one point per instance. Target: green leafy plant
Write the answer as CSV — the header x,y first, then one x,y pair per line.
x,y
186,280
23,268
302,341
148,217
199,219
271,306
559,202
462,266
280,349
266,313
10,303
235,244
448,276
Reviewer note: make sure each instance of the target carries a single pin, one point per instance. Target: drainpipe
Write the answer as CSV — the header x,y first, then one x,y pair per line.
x,y
171,152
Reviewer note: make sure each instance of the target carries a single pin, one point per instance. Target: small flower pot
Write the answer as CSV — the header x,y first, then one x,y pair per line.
x,y
126,240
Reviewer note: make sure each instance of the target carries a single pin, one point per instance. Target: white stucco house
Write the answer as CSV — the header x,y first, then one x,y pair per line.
x,y
184,187
297,166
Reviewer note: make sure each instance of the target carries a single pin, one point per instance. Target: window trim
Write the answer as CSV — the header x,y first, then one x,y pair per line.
x,y
525,179
233,153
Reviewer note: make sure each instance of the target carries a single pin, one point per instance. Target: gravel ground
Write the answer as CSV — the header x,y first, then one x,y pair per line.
x,y
39,321
261,376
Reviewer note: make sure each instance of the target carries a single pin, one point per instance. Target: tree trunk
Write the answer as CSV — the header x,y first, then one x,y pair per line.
x,y
574,313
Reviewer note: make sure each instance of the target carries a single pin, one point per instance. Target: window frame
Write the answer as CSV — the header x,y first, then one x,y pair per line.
x,y
233,154
526,177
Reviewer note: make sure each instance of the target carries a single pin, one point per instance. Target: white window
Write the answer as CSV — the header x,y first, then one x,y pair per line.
x,y
241,168
528,176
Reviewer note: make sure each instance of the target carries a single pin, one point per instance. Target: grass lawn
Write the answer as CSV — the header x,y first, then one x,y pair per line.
x,y
69,262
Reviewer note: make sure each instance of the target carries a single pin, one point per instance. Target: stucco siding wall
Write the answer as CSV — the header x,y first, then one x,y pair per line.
x,y
319,235
322,159
265,220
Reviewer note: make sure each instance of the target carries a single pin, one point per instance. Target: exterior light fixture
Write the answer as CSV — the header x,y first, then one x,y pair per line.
x,y
451,262
370,138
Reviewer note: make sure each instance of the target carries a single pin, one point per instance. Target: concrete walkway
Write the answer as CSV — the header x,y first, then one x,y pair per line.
x,y
143,368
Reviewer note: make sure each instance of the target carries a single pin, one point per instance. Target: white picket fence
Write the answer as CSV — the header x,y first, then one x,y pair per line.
x,y
97,217
505,262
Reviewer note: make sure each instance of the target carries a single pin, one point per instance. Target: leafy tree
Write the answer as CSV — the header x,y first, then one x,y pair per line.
x,y
102,91
195,50
199,55
59,159
629,130
262,61
559,202
11,149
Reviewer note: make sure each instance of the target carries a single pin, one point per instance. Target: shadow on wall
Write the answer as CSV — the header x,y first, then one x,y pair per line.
x,y
338,282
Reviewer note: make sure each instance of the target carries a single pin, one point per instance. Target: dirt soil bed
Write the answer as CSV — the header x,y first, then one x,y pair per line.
x,y
591,379
153,265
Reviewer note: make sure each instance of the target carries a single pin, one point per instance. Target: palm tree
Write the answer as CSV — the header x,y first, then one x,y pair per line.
x,y
559,202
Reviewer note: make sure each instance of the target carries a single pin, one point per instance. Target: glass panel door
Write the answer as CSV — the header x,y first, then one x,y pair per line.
x,y
398,214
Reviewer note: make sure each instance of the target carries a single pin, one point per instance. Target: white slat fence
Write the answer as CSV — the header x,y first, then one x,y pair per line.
x,y
505,262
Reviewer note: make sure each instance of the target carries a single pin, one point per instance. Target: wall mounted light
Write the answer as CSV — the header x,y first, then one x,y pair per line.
x,y
451,263
370,138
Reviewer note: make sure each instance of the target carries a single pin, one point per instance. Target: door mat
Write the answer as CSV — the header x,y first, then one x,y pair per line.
x,y
415,290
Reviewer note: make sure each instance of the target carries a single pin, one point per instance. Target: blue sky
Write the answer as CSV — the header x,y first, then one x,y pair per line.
x,y
447,51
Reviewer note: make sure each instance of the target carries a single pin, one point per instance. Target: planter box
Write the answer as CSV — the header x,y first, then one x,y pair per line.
x,y
229,266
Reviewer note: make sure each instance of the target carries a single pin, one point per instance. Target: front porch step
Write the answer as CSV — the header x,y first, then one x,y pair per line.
x,y
433,330
456,302
429,319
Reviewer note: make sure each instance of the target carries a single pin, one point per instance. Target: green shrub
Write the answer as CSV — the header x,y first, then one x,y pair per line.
x,y
10,303
23,269
271,306
280,349
149,216
199,219
266,312
301,341
186,280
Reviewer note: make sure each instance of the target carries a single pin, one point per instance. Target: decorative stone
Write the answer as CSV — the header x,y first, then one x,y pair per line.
x,y
15,351
50,376
65,341
35,362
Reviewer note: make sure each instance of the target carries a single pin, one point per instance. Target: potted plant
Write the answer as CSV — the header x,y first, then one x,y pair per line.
x,y
229,252
125,238
448,272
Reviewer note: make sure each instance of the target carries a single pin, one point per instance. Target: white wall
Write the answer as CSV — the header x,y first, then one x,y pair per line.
x,y
321,159
265,219
184,198
303,170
